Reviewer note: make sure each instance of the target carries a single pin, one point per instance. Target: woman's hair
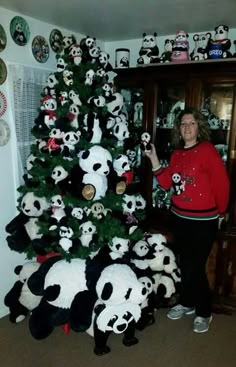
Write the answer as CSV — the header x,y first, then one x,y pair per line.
x,y
203,127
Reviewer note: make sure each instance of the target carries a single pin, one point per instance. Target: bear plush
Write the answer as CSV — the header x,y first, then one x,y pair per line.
x,y
220,46
149,51
200,51
20,299
23,228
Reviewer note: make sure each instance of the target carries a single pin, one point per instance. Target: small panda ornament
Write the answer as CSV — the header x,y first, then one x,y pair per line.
x,y
166,55
200,51
145,144
178,184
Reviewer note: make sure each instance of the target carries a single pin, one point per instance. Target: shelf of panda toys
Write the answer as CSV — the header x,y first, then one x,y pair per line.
x,y
40,259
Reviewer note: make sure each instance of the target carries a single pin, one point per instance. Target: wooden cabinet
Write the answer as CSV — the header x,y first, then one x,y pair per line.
x,y
161,91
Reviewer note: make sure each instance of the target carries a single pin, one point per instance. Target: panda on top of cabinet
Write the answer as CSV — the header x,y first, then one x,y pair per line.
x,y
220,46
149,52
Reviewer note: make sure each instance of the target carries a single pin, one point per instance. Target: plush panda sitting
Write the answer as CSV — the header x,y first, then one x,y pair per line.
x,y
57,281
149,51
23,228
20,299
200,51
89,178
120,175
116,307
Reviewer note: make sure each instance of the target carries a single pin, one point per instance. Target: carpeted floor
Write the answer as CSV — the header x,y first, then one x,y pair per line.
x,y
165,344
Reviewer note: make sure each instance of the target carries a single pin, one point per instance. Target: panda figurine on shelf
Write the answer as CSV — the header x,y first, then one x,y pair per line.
x,y
180,49
220,46
200,51
149,52
166,55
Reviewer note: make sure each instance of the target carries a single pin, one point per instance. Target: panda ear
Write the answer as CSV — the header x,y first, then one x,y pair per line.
x,y
107,291
18,269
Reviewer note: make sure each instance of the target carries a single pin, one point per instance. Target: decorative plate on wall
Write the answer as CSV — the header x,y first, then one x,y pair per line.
x,y
3,104
5,132
40,49
3,38
20,32
3,71
55,40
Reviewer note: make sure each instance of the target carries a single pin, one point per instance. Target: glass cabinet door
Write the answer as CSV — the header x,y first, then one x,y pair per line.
x,y
133,109
170,101
217,106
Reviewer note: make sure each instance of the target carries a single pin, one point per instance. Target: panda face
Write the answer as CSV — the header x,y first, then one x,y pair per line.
x,y
156,241
61,65
121,132
103,58
87,228
75,51
74,109
149,41
59,173
65,232
141,248
147,282
99,101
56,201
129,203
51,81
120,245
121,163
96,160
50,104
71,138
77,213
140,202
176,178
90,42
145,137
32,205
55,133
68,41
115,105
221,32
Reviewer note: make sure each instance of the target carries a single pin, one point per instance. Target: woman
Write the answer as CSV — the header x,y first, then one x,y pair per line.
x,y
200,196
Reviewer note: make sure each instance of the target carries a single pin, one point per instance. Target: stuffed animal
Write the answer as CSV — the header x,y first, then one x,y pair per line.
x,y
104,61
180,49
20,299
57,281
92,127
23,228
116,307
178,184
89,178
51,85
149,51
120,175
166,55
220,46
67,43
76,54
200,51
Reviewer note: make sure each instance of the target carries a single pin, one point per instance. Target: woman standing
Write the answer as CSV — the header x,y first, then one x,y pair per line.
x,y
199,201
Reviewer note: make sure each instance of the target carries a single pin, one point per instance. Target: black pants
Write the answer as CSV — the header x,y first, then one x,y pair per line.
x,y
193,240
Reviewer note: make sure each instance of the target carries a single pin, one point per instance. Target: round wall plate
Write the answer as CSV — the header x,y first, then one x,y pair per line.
x,y
3,104
3,38
55,40
5,132
3,71
20,31
40,49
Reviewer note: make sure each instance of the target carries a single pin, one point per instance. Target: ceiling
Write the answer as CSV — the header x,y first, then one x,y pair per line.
x,y
113,20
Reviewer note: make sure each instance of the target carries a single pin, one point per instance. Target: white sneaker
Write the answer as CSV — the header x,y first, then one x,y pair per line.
x,y
179,311
201,324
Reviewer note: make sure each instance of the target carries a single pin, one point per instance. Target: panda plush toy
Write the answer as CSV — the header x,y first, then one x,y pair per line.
x,y
149,51
180,49
219,48
166,55
120,175
23,228
20,299
89,178
116,308
57,281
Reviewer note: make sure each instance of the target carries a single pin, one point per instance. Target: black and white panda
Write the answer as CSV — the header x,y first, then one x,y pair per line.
x,y
61,64
149,51
67,43
88,234
51,84
121,132
89,178
92,127
57,281
104,61
97,101
24,228
116,308
115,104
61,178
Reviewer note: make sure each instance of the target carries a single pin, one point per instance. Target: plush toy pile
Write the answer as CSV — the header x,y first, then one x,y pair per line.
x,y
81,213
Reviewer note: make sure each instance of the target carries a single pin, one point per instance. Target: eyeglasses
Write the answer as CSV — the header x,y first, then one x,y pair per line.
x,y
188,123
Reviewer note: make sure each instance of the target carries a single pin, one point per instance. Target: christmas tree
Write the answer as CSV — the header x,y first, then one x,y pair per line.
x,y
79,194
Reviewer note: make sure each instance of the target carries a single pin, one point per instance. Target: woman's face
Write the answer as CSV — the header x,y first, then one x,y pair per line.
x,y
189,129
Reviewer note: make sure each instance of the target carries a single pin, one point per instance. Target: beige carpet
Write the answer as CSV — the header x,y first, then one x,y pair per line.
x,y
165,344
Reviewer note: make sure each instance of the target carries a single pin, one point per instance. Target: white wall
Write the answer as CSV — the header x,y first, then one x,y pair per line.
x,y
8,158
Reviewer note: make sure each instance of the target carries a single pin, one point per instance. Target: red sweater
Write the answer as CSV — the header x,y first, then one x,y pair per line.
x,y
200,182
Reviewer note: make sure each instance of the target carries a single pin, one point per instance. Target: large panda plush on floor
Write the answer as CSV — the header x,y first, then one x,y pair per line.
x,y
117,307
